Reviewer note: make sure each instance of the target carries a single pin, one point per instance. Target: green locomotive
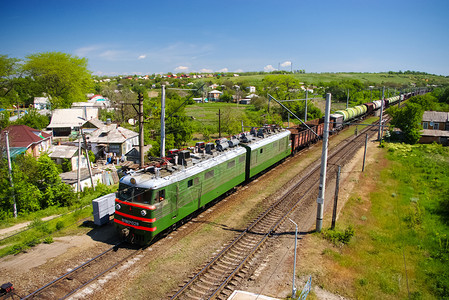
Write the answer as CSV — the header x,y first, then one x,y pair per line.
x,y
153,199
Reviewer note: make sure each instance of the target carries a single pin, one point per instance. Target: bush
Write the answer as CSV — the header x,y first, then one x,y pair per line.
x,y
48,240
339,237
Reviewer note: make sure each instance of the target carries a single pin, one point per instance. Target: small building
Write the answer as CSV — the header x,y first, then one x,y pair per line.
x,y
435,120
252,89
112,139
214,95
24,139
245,101
60,153
98,176
41,103
67,121
428,136
435,127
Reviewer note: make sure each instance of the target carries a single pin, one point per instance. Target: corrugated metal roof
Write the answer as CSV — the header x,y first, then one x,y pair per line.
x,y
62,151
111,134
435,116
73,117
431,132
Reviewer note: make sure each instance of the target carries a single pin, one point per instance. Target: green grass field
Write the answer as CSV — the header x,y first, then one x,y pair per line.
x,y
400,248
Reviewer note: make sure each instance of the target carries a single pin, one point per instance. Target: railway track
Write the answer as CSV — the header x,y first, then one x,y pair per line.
x,y
217,278
81,276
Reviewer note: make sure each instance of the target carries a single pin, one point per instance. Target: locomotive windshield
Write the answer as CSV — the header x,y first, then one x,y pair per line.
x,y
134,194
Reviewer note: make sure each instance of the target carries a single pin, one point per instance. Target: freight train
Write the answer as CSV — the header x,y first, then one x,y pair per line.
x,y
154,198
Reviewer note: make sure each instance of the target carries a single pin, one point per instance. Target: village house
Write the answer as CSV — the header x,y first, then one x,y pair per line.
x,y
214,95
65,122
41,103
435,127
60,153
112,139
24,139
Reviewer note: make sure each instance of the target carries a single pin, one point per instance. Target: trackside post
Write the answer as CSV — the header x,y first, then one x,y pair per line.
x,y
322,187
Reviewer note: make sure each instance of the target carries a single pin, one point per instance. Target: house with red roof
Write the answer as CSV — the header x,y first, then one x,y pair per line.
x,y
24,139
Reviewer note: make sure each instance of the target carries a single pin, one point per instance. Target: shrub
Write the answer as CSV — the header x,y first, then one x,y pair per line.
x,y
339,237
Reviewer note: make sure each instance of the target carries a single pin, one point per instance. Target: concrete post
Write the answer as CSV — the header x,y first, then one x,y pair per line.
x,y
322,187
163,121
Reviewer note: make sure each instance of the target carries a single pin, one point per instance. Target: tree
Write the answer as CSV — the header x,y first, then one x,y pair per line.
x,y
62,77
408,120
282,87
226,97
34,119
8,69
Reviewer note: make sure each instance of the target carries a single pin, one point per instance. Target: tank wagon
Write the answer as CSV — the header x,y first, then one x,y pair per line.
x,y
153,199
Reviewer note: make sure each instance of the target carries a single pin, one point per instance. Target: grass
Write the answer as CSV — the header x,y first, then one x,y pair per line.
x,y
39,231
401,244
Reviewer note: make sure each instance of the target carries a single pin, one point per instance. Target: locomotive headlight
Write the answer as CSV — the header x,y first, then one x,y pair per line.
x,y
143,213
118,206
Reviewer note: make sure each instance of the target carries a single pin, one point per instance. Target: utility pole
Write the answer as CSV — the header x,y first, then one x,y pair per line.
x,y
364,154
163,121
78,173
140,114
322,187
347,100
337,187
380,133
294,262
8,154
219,123
305,109
87,158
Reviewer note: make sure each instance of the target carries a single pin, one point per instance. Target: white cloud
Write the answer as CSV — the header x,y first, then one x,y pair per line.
x,y
269,68
286,64
111,54
84,51
223,70
143,56
181,69
206,70
238,71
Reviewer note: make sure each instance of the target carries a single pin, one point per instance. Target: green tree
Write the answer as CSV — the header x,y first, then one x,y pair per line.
x,y
34,119
282,87
63,77
55,192
408,120
8,70
226,97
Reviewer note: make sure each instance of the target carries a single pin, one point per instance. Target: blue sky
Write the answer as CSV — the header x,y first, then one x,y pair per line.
x,y
145,37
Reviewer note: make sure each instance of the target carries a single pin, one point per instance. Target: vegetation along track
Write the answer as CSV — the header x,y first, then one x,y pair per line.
x,y
217,278
79,277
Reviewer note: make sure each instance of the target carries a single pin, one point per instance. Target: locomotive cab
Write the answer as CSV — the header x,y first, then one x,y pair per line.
x,y
135,211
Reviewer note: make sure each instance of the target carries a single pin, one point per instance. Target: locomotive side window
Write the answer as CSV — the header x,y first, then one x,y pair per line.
x,y
241,159
261,150
190,183
231,164
209,174
196,180
159,196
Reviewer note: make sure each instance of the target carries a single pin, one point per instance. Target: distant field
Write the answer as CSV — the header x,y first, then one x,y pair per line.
x,y
207,113
375,78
